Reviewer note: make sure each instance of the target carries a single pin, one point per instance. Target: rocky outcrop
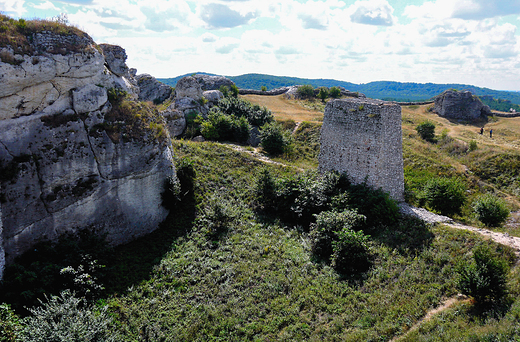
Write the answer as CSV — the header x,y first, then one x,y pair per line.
x,y
460,105
152,90
272,92
43,82
71,159
212,82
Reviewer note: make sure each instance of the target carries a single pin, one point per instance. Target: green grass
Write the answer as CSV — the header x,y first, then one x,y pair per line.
x,y
259,282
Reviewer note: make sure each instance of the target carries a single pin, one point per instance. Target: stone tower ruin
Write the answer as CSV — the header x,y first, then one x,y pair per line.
x,y
363,138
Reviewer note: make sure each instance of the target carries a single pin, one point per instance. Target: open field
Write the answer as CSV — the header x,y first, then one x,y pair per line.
x,y
284,109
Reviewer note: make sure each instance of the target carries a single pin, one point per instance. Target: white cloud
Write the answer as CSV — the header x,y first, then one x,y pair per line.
x,y
13,7
481,9
222,16
47,5
373,12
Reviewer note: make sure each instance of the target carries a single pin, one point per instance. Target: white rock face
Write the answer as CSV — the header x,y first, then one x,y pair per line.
x,y
63,164
175,120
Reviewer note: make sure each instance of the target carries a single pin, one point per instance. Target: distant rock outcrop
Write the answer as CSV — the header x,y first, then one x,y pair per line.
x,y
70,158
152,90
212,82
460,105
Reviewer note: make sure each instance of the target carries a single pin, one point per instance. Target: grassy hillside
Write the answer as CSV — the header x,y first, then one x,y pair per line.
x,y
222,269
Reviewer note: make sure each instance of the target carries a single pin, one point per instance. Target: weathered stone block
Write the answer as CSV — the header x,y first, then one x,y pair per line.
x,y
363,138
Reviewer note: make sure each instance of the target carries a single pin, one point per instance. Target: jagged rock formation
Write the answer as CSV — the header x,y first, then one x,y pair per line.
x,y
460,105
69,157
212,82
363,138
152,90
213,96
188,87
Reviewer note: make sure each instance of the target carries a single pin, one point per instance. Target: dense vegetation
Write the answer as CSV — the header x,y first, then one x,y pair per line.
x,y
385,90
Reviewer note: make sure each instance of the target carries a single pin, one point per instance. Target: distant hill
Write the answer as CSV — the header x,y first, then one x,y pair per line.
x,y
385,90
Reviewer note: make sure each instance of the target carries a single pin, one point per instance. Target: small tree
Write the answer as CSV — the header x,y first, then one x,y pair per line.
x,y
490,210
335,92
426,131
234,90
264,88
484,279
323,94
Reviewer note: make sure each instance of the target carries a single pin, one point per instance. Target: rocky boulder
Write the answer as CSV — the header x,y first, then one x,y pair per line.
x,y
208,82
152,90
213,96
175,120
460,105
188,87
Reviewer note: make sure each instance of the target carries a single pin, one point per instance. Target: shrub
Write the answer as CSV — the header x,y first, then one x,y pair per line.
x,y
490,210
306,91
350,252
265,190
485,278
171,192
186,175
426,131
222,127
446,195
9,324
255,115
67,318
263,88
217,216
324,233
472,145
335,92
274,139
224,90
376,205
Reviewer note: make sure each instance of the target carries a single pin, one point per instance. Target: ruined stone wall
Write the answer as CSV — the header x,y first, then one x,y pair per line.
x,y
363,138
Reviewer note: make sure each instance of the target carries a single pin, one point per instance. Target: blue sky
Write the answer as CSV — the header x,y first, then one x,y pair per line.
x,y
441,41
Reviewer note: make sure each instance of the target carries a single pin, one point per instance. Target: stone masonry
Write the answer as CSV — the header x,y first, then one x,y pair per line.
x,y
363,138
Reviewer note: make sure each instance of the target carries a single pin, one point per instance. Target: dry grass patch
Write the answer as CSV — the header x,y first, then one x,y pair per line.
x,y
284,109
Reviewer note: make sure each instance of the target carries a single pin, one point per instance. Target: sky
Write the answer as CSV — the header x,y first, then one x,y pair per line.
x,y
474,42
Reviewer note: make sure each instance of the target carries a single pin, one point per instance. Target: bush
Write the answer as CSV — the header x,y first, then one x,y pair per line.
x,y
306,91
265,190
217,216
350,252
490,210
446,195
222,127
255,115
263,88
376,205
234,90
186,175
67,318
274,139
485,278
9,324
426,131
324,233
335,92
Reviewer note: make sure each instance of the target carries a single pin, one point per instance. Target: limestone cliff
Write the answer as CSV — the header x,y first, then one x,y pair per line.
x,y
75,151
